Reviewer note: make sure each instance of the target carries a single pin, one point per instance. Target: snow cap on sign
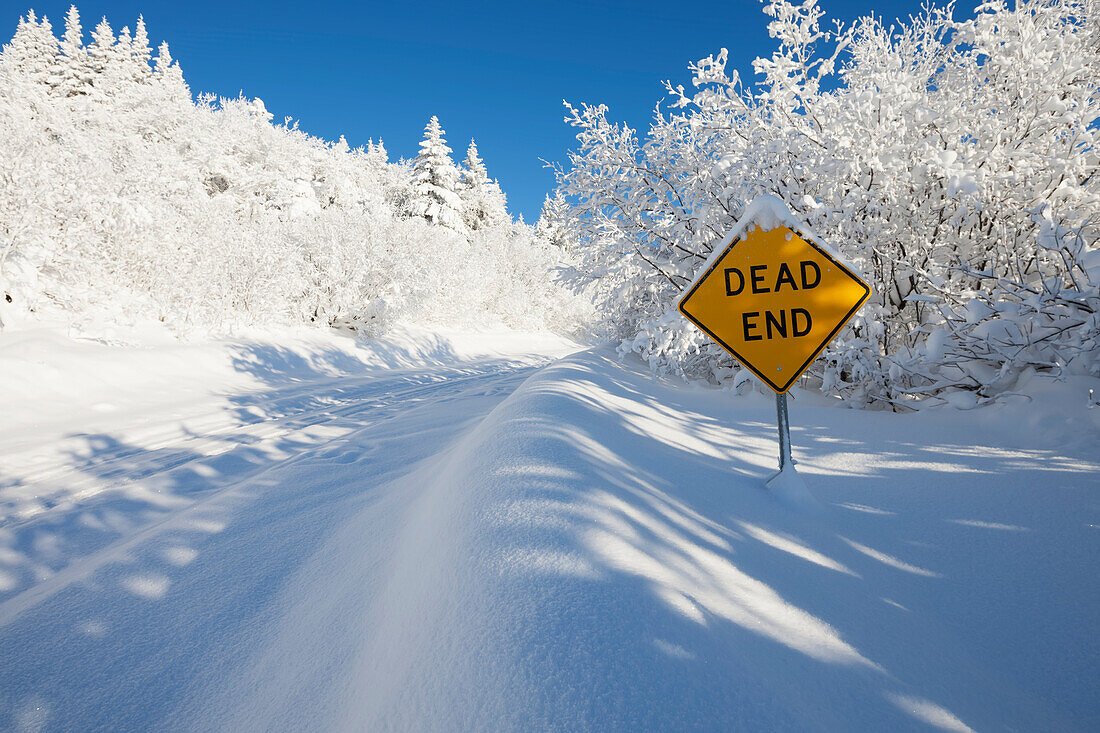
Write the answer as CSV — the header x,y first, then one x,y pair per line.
x,y
769,212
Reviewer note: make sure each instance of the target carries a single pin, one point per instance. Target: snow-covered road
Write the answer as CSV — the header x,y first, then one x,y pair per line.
x,y
147,534
427,535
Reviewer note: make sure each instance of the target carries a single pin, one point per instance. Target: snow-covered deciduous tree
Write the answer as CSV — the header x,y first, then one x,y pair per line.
x,y
954,161
394,178
484,204
435,181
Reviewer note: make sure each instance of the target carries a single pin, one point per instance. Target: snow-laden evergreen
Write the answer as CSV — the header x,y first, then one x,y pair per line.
x,y
553,223
484,204
33,51
954,161
435,181
76,70
123,200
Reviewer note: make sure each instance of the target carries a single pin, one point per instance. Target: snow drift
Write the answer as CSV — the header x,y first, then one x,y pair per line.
x,y
600,552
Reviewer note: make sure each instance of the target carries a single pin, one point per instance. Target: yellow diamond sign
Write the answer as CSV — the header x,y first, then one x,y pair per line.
x,y
774,299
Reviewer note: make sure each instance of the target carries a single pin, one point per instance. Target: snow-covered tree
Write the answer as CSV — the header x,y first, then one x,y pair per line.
x,y
76,70
484,204
168,76
101,50
953,161
139,48
72,42
435,181
394,178
553,221
377,152
33,51
163,60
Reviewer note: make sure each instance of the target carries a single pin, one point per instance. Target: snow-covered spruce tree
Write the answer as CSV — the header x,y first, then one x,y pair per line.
x,y
435,181
553,223
954,162
140,52
33,52
168,75
483,202
395,178
101,51
76,71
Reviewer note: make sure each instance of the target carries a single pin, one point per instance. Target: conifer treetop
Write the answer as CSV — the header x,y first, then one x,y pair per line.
x,y
435,180
72,43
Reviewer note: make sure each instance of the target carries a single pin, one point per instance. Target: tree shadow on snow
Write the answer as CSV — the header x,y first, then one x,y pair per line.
x,y
671,590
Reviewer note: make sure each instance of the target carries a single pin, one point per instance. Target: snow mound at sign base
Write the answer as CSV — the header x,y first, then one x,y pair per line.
x,y
601,553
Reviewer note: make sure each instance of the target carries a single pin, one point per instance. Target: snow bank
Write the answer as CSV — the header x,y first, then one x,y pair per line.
x,y
600,552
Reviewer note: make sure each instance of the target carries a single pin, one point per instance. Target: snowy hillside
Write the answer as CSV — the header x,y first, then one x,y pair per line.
x,y
124,202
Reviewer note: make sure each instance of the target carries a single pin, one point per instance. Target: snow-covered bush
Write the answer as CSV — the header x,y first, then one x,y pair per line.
x,y
955,162
123,200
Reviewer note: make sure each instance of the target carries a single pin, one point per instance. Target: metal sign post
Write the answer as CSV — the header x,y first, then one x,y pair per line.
x,y
785,459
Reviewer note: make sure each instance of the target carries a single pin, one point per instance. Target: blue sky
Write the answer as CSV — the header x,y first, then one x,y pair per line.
x,y
495,71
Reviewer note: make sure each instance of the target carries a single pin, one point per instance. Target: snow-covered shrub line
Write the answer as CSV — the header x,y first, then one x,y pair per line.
x,y
954,161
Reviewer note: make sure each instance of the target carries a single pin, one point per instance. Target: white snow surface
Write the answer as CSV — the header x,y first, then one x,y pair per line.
x,y
496,531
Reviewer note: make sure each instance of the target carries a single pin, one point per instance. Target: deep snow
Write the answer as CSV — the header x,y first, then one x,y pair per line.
x,y
435,533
